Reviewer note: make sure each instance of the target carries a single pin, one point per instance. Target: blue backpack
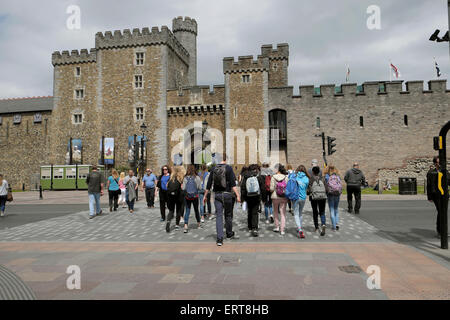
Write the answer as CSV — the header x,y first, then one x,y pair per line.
x,y
292,192
191,188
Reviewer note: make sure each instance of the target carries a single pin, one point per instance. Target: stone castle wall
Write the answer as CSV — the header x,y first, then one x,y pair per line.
x,y
384,141
23,148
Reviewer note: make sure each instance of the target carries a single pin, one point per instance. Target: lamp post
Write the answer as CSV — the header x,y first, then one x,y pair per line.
x,y
143,128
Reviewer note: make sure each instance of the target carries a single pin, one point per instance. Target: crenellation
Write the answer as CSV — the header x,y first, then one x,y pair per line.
x,y
327,90
187,24
414,86
394,86
74,57
371,88
279,53
437,85
245,64
306,91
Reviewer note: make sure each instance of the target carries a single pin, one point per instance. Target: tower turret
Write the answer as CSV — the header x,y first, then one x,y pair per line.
x,y
185,30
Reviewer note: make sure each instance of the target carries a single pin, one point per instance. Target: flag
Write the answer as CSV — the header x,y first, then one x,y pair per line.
x,y
396,71
438,71
347,76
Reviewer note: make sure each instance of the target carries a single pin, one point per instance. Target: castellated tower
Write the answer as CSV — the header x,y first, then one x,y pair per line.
x,y
186,33
278,64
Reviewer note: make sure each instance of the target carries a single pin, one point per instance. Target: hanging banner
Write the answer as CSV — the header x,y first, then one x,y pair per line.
x,y
77,149
109,150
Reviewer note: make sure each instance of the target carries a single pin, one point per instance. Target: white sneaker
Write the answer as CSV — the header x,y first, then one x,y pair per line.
x,y
276,229
282,233
267,221
202,220
2,214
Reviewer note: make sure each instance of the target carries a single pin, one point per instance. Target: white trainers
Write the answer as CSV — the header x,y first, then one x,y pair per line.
x,y
282,233
2,214
276,229
202,220
267,221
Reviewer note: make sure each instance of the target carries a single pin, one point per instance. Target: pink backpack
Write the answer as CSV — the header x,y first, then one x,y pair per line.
x,y
334,185
281,187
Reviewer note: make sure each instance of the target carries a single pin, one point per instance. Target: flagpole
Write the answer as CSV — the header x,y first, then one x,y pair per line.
x,y
390,72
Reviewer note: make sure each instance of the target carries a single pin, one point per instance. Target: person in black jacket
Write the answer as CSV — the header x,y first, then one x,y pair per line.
x,y
161,187
354,179
175,196
253,200
433,193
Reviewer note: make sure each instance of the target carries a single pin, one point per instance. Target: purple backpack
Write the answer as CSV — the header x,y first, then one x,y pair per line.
x,y
281,187
334,185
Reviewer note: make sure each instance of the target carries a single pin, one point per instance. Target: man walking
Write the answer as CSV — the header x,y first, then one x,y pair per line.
x,y
95,182
354,179
433,193
148,182
223,182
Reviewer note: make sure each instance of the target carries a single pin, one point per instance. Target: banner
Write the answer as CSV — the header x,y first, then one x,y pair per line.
x,y
109,150
77,149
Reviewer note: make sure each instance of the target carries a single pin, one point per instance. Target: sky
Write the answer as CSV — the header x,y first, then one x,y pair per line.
x,y
323,36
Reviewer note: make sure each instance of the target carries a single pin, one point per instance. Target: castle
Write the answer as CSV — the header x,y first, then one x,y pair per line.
x,y
150,76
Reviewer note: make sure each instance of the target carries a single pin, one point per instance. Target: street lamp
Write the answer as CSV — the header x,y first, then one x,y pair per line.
x,y
204,128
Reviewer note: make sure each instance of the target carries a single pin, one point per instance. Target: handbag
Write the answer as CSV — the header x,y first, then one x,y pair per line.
x,y
9,196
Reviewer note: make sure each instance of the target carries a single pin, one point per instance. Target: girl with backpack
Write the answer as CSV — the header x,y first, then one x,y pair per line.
x,y
302,181
175,198
278,185
191,186
161,187
334,191
318,197
252,190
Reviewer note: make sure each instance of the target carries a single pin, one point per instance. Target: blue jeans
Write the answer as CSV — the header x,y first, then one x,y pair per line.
x,y
129,203
333,203
202,207
2,203
298,208
94,199
268,207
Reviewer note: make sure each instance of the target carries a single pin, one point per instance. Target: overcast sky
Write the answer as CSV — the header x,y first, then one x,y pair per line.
x,y
323,36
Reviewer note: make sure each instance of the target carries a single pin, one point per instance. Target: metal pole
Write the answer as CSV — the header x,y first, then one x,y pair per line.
x,y
379,186
40,193
323,147
444,185
135,155
76,176
51,177
70,151
103,150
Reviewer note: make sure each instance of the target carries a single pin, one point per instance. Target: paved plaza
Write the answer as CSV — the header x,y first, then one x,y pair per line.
x,y
130,256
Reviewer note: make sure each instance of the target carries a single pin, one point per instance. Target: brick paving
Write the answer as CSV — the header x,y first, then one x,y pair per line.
x,y
144,225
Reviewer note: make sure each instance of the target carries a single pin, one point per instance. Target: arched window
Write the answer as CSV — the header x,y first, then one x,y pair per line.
x,y
277,120
405,120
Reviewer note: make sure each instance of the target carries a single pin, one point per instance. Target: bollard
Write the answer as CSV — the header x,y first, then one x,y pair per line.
x,y
23,186
380,190
425,186
40,193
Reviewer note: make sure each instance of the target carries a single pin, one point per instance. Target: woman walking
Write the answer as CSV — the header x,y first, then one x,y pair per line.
x,y
333,185
191,187
302,179
113,190
318,198
161,187
252,191
131,183
3,194
175,198
123,190
290,171
278,185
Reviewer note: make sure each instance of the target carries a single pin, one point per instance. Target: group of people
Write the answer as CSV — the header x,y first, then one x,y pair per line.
x,y
179,190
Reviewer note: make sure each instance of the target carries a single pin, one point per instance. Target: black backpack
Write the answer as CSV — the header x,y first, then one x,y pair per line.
x,y
219,176
173,187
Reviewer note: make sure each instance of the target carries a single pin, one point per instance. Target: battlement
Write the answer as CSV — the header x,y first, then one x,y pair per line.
x,y
74,57
203,89
369,88
187,24
245,64
279,53
141,38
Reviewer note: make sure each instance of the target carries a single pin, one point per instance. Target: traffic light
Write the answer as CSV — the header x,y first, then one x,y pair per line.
x,y
331,145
